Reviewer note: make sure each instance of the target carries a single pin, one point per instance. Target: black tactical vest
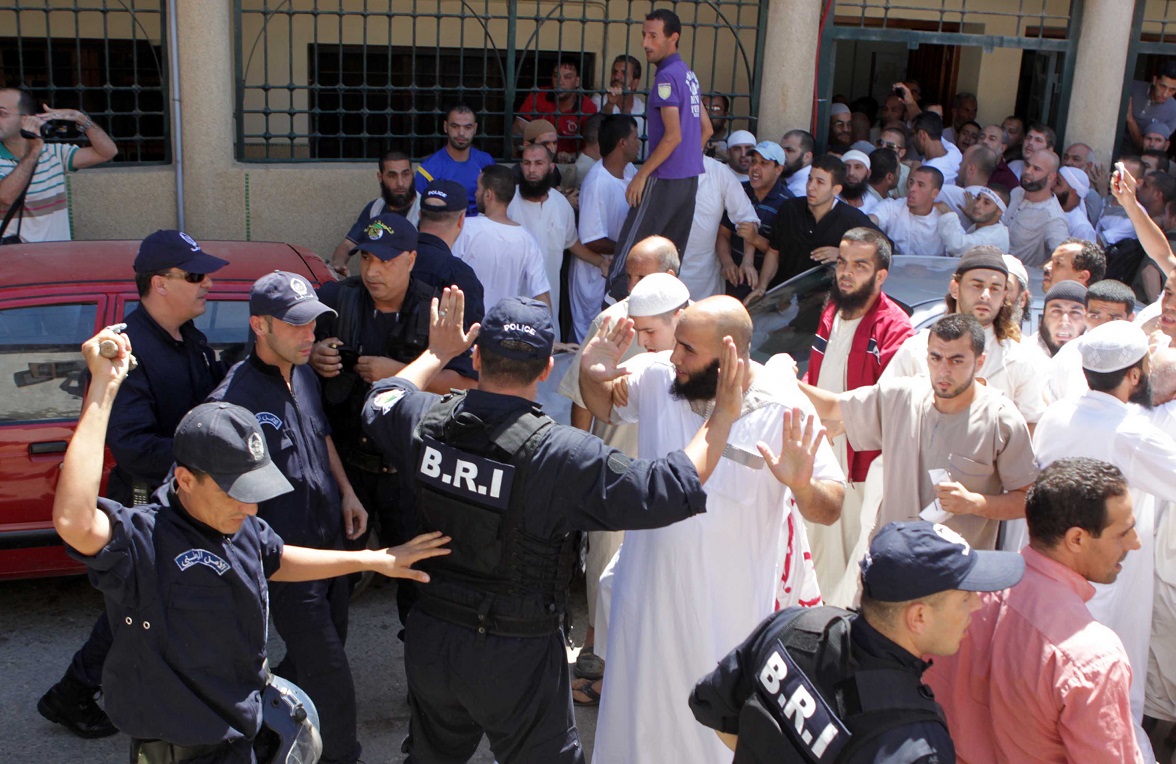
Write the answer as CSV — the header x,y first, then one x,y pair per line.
x,y
820,701
471,481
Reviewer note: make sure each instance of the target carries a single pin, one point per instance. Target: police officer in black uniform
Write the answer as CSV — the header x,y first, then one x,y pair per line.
x,y
484,650
439,228
382,324
185,579
276,384
176,370
823,685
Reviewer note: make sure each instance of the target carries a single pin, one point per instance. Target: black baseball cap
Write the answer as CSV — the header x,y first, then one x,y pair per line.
x,y
287,297
445,196
518,328
174,249
225,441
911,560
388,236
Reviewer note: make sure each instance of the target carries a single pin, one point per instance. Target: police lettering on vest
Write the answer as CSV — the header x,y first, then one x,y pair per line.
x,y
464,475
799,708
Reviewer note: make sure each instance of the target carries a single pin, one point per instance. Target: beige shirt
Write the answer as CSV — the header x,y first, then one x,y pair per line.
x,y
985,447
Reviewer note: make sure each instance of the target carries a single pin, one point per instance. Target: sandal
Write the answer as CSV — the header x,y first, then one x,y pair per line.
x,y
589,665
587,690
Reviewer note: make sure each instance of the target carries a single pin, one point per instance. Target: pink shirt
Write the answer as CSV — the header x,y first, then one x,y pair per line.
x,y
1037,679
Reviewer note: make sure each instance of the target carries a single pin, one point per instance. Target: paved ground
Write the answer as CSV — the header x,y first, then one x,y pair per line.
x,y
43,622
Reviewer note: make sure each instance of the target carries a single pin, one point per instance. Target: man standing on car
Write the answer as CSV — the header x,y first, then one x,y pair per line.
x,y
176,371
32,172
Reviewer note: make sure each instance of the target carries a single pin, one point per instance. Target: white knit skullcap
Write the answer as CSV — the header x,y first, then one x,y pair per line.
x,y
656,294
1112,346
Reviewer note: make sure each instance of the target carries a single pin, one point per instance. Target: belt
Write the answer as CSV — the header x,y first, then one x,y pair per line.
x,y
367,462
484,623
163,752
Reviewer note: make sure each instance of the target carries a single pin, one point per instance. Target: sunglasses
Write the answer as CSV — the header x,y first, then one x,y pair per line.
x,y
885,144
191,278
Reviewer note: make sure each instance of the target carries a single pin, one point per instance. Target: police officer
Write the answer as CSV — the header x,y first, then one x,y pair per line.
x,y
176,370
512,487
276,384
824,685
439,227
185,579
382,324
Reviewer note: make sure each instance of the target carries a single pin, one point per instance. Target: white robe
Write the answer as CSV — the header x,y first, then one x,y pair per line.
x,y
684,596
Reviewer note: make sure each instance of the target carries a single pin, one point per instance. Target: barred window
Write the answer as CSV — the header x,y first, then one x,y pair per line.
x,y
332,80
104,59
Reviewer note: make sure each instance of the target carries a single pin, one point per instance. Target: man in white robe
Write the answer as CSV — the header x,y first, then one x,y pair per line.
x,y
1105,423
683,600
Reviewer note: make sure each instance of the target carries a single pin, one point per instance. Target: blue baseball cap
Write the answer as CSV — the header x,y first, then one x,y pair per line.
x,y
445,196
287,297
225,441
388,236
908,561
518,328
174,249
771,150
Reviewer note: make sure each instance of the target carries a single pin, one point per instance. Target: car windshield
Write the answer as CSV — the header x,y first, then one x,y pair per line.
x,y
786,319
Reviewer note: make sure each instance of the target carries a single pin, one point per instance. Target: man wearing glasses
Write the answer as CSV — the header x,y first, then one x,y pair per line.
x,y
176,371
895,139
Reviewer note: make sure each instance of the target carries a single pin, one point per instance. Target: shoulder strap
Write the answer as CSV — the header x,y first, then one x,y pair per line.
x,y
16,207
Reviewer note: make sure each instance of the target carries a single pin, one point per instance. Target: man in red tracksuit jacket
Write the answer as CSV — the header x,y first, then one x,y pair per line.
x,y
860,331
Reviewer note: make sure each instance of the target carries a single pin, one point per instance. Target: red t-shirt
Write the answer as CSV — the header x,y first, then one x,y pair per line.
x,y
567,124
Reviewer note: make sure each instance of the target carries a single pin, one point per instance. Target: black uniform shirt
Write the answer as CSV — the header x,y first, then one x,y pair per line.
x,y
401,336
172,377
437,266
295,429
797,233
719,698
188,606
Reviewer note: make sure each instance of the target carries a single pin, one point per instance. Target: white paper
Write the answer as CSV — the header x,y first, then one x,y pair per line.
x,y
934,512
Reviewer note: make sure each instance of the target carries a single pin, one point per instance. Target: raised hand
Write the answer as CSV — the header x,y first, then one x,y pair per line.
x,y
447,336
602,356
732,380
799,442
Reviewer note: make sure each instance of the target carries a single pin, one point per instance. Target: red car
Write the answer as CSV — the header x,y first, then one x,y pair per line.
x,y
53,297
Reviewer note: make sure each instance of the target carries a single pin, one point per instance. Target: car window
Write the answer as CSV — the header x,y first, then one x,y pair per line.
x,y
224,322
42,374
786,319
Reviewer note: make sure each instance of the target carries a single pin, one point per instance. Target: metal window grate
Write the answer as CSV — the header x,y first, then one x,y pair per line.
x,y
347,79
1158,31
104,57
1028,19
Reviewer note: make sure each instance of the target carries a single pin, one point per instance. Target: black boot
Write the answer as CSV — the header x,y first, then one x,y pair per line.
x,y
72,705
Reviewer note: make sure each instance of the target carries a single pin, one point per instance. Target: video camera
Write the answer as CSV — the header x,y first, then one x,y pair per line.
x,y
57,131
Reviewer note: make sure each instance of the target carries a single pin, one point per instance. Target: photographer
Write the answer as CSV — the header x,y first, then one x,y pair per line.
x,y
36,155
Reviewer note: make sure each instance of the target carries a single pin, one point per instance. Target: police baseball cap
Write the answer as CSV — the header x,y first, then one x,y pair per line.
x,y
771,151
387,237
908,561
225,441
444,196
287,297
518,328
174,249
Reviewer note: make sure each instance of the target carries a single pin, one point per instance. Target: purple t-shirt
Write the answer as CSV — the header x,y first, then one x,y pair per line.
x,y
675,85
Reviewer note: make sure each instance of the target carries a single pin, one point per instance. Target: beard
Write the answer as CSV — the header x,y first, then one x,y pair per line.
x,y
1033,185
1048,340
851,191
851,301
1142,394
701,386
535,190
397,202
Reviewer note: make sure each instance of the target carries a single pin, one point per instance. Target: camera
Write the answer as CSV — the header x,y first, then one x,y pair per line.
x,y
57,131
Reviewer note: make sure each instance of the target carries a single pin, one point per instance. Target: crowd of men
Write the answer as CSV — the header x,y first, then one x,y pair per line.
x,y
995,498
